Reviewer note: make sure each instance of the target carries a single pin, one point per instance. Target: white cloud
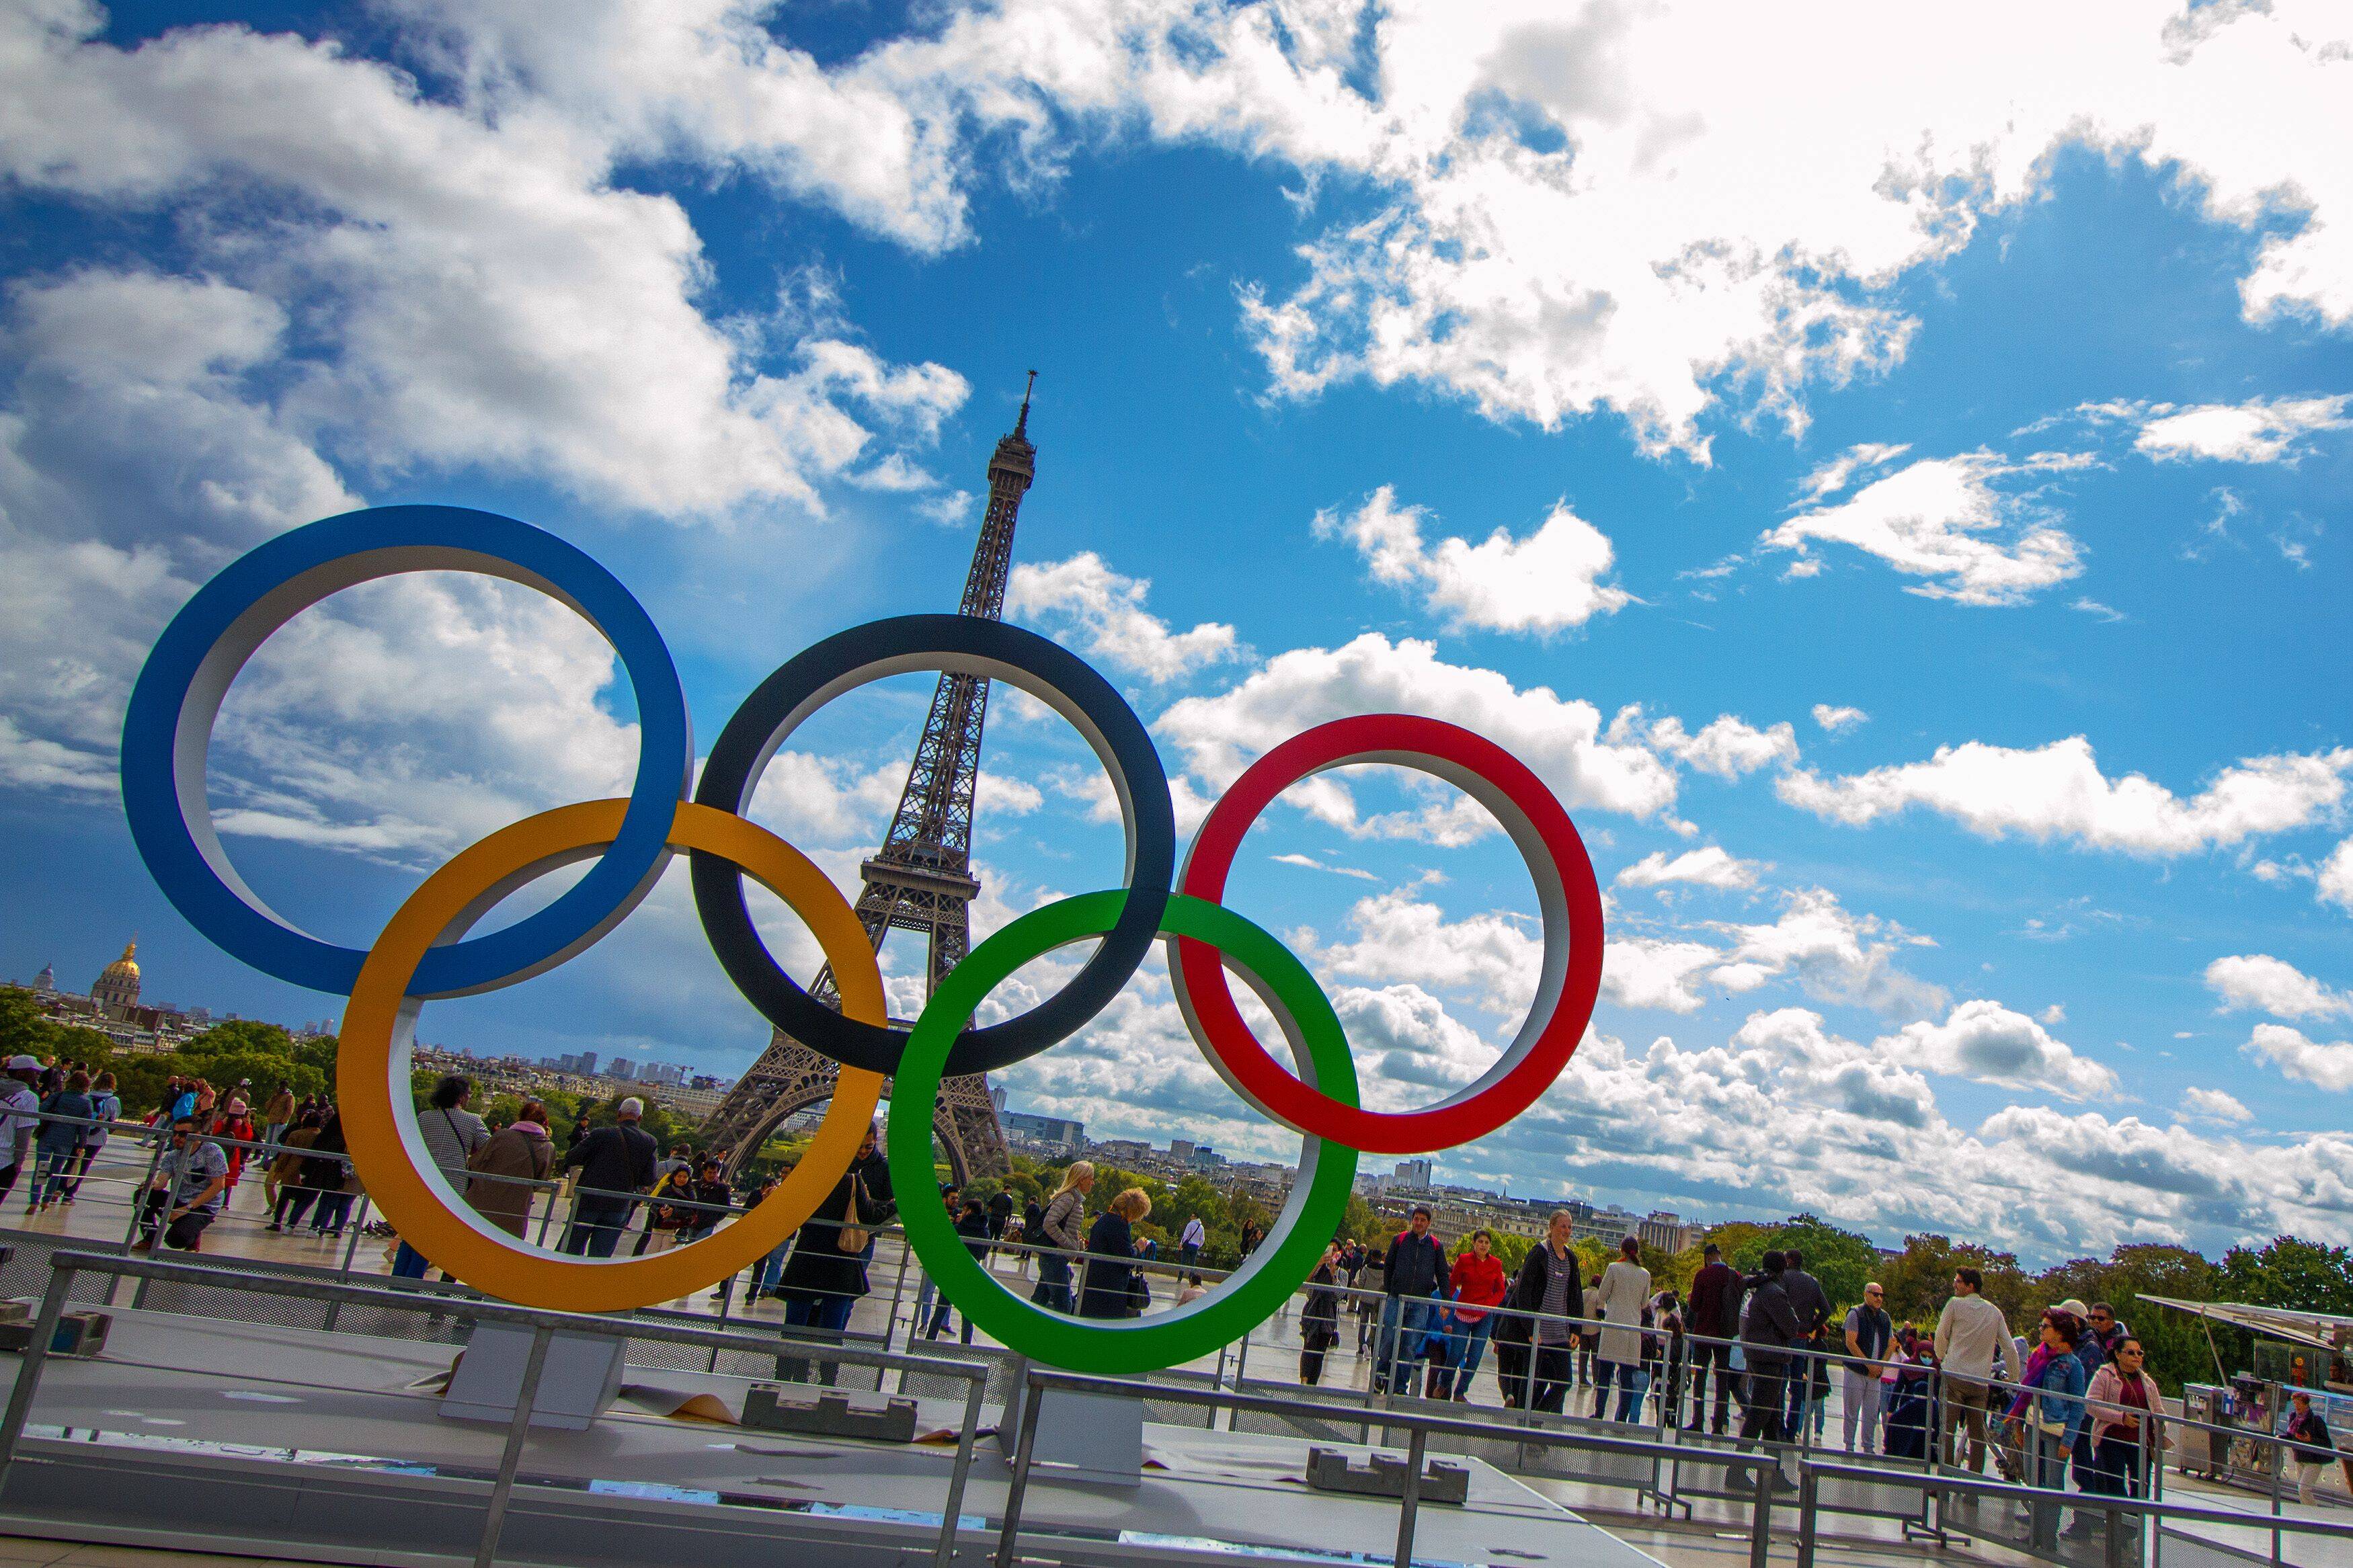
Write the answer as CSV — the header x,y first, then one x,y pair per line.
x,y
1545,583
1838,721
1313,864
2057,791
1648,971
2253,432
2334,882
2213,1105
2276,987
1710,867
1942,519
1990,1044
1106,614
1837,955
1834,476
1560,739
1493,958
2327,1063
1726,747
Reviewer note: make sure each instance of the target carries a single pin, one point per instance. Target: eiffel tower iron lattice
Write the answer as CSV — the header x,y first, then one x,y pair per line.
x,y
921,879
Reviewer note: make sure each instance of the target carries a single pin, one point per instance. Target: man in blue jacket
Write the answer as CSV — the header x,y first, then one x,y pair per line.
x,y
1415,1273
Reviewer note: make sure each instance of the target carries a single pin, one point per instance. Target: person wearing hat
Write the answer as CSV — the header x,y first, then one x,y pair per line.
x,y
19,1116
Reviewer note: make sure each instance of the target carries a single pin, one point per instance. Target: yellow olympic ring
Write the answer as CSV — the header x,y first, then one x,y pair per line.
x,y
373,1075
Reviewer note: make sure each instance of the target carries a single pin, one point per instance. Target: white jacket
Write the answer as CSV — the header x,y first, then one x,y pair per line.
x,y
1625,1289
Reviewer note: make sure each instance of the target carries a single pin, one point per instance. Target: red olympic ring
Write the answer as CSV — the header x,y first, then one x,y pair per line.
x,y
1567,892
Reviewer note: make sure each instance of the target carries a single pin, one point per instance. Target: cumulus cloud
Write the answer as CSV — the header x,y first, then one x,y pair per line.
x,y
1945,520
1834,476
1545,583
1726,746
1710,867
2058,792
2212,1105
1990,1043
2334,881
2257,431
1105,613
1838,721
1560,739
2328,1064
2276,987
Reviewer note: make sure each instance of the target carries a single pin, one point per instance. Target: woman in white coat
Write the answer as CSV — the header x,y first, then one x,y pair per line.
x,y
1625,1296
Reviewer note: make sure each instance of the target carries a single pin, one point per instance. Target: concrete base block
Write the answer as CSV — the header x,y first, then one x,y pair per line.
x,y
875,1418
582,1377
78,1333
1082,1437
1329,1470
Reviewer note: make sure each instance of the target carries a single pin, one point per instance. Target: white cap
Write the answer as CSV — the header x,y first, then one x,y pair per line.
x,y
24,1063
630,1109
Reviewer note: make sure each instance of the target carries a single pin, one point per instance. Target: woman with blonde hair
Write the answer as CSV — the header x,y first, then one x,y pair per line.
x,y
1113,1283
1061,1227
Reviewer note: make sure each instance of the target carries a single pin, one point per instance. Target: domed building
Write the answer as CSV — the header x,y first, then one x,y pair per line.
x,y
119,986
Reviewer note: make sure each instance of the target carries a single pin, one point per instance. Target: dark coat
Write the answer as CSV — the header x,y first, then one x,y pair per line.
x,y
1715,1302
613,1159
1416,1266
1807,1299
1109,1287
821,1269
1771,1326
1319,1320
1528,1289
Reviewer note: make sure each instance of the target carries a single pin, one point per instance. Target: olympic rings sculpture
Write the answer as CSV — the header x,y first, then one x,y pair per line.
x,y
425,952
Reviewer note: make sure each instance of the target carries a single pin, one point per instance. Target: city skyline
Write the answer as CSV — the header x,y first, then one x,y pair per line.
x,y
1910,542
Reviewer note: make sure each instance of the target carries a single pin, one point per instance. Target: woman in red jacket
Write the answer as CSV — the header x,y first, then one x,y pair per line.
x,y
1474,1285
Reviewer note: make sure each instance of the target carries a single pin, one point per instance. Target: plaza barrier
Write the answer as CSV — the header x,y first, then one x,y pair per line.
x,y
66,1268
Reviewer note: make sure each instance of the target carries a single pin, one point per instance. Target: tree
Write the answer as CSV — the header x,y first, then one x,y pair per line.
x,y
2179,1349
2304,1274
1920,1280
1843,1261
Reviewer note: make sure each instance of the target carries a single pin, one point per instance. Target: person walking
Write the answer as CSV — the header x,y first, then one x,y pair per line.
x,y
20,1118
614,1163
1319,1320
1188,1244
1972,1336
508,1167
1551,1287
972,1223
1624,1294
329,1170
1062,1227
1475,1286
1000,1213
277,1116
1767,1330
451,1134
2310,1446
58,1142
826,1274
1809,1374
1869,1332
287,1170
1416,1274
1713,1323
1111,1281
1663,1352
2125,1407
105,1110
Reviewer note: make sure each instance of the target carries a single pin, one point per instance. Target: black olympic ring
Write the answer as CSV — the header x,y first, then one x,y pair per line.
x,y
960,645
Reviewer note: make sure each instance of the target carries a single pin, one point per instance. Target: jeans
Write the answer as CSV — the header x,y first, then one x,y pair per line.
x,y
1550,1370
1403,1322
1190,1254
1467,1345
408,1263
333,1211
1702,1356
597,1227
1863,1392
294,1202
765,1273
1632,1384
1760,1417
54,1168
1053,1292
829,1312
2115,1466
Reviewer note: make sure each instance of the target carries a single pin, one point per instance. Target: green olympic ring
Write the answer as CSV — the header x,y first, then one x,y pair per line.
x,y
1311,1214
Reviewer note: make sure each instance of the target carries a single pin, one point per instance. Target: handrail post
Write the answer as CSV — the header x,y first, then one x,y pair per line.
x,y
951,1514
2279,1468
1760,1522
898,1293
28,1371
131,1231
1809,1500
1017,1490
1416,1454
518,1432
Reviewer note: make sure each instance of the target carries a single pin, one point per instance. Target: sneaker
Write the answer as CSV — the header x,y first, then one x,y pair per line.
x,y
276,1229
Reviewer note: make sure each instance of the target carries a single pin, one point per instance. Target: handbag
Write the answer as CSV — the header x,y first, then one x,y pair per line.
x,y
854,1238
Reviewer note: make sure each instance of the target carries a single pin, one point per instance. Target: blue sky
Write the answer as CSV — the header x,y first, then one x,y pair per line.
x,y
1891,490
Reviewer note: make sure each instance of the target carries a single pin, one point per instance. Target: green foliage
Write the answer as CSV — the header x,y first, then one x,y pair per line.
x,y
2290,1273
1919,1281
23,1031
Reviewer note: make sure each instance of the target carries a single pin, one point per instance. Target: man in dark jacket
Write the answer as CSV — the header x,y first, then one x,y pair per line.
x,y
1767,1332
612,1161
1715,1313
1812,1305
1416,1275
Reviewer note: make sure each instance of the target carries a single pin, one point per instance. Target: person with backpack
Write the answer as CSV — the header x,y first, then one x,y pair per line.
x,y
105,1110
1063,1226
59,1141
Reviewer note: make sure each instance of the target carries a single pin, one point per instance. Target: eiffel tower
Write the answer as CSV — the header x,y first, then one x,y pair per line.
x,y
921,878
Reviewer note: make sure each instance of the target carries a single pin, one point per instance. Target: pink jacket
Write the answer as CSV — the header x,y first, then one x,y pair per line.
x,y
2108,1388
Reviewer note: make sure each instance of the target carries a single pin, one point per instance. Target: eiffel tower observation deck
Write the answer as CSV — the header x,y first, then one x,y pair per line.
x,y
921,879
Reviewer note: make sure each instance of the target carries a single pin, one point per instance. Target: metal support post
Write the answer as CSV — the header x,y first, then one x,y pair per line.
x,y
950,1515
1809,1500
1760,1525
518,1433
1417,1452
1009,1534
898,1293
28,1370
2279,1469
131,1231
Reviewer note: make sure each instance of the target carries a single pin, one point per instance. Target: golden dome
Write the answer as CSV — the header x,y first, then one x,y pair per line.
x,y
123,968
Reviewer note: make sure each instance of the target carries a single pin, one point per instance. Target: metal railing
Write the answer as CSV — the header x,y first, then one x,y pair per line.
x,y
545,1326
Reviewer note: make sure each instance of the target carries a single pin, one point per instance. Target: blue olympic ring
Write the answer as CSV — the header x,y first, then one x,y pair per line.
x,y
168,730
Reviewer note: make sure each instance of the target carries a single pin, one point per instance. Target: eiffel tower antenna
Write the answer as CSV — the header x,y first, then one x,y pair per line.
x,y
921,879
